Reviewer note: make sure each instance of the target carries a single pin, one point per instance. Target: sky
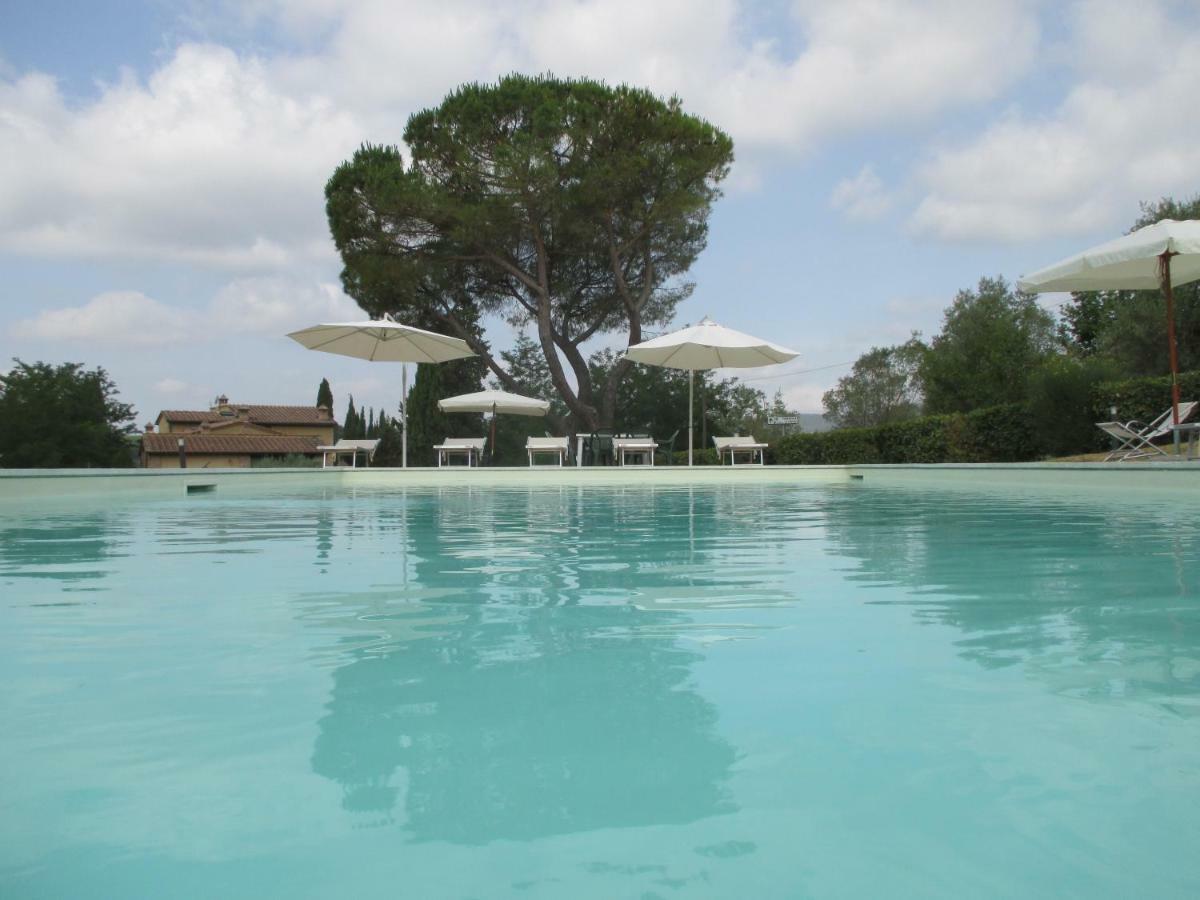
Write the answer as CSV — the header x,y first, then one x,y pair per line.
x,y
162,165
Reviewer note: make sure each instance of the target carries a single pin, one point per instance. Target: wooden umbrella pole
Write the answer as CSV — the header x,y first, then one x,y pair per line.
x,y
1164,274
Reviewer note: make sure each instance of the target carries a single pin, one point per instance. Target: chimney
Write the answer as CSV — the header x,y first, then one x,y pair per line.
x,y
149,428
326,413
243,412
221,400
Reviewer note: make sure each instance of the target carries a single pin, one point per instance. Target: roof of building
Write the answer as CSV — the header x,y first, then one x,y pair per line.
x,y
268,415
272,444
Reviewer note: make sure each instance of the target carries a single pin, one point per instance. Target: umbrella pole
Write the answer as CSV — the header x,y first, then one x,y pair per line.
x,y
404,415
691,389
492,440
1164,273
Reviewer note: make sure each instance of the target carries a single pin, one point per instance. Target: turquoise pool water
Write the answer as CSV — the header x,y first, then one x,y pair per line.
x,y
754,690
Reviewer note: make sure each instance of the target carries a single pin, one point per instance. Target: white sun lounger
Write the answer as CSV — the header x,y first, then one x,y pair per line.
x,y
472,448
351,448
743,444
1136,437
535,446
636,446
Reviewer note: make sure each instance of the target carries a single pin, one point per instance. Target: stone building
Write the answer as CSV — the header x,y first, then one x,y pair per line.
x,y
231,435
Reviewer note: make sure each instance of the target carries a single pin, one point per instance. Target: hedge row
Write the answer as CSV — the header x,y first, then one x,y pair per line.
x,y
1143,399
996,434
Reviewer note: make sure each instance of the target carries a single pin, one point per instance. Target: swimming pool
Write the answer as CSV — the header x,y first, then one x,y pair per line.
x,y
757,688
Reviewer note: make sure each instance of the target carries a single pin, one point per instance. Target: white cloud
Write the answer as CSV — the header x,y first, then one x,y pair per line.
x,y
207,163
249,306
121,318
219,159
171,386
805,397
275,305
862,198
1114,141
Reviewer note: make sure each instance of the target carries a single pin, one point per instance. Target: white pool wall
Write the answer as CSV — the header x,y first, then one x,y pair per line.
x,y
1175,478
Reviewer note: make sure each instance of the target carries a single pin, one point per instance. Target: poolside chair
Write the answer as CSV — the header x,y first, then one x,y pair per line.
x,y
471,448
351,448
740,444
642,447
542,445
1135,437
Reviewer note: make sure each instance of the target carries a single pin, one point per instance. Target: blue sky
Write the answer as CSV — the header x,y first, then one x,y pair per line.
x,y
161,209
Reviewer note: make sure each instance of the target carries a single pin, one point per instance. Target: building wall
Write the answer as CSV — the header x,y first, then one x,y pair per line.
x,y
198,461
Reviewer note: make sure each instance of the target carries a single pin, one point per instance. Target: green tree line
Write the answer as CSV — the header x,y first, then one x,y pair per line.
x,y
998,347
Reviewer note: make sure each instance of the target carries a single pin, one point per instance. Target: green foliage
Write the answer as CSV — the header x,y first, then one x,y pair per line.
x,y
1140,399
62,416
991,339
511,433
353,427
1061,402
654,400
996,434
531,374
701,457
567,205
325,395
390,451
1129,328
884,386
428,425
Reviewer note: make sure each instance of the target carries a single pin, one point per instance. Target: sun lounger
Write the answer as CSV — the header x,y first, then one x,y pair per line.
x,y
350,448
739,444
1136,437
471,448
637,446
535,446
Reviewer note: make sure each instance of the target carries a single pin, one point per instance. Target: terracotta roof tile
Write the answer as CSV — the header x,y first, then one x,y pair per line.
x,y
273,445
270,415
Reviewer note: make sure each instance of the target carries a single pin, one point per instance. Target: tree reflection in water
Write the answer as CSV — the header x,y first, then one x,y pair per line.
x,y
74,548
538,701
1097,600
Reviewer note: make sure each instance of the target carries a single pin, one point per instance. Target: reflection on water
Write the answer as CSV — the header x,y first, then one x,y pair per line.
x,y
1099,599
586,692
522,695
63,549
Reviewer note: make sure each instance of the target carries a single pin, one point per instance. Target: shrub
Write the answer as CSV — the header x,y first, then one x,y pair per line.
x,y
995,434
705,457
1061,396
1142,399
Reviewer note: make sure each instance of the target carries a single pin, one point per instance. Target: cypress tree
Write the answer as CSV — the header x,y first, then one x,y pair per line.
x,y
427,425
325,395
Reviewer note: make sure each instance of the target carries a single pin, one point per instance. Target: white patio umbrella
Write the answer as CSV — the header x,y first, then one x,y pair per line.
x,y
385,340
707,346
1161,255
495,402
